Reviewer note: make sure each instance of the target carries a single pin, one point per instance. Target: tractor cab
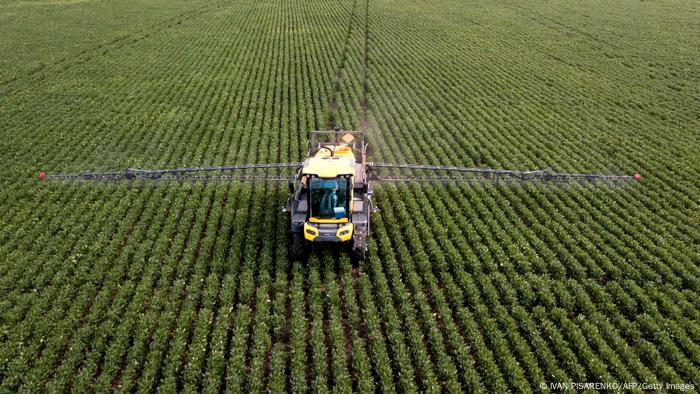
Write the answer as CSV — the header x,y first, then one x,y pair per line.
x,y
328,201
326,186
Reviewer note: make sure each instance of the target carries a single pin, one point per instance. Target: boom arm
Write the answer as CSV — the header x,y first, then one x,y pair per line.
x,y
185,173
406,172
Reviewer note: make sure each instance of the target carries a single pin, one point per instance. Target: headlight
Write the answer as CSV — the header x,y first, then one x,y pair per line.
x,y
344,232
310,232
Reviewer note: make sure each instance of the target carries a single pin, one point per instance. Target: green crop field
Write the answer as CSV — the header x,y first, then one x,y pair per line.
x,y
474,287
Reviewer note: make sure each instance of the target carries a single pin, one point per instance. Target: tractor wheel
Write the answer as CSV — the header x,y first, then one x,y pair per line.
x,y
359,255
359,246
299,247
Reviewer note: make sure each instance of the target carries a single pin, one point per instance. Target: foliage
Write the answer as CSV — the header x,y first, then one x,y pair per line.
x,y
469,287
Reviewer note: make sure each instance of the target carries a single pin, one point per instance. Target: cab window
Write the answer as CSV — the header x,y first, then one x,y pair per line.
x,y
329,197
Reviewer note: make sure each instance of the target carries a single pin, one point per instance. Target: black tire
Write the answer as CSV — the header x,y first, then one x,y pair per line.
x,y
299,249
359,250
359,247
359,255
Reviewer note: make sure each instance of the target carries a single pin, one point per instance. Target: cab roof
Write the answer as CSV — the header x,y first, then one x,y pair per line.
x,y
325,165
328,167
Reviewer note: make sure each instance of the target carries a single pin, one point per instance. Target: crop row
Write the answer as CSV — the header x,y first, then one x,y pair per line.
x,y
511,236
115,287
468,287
